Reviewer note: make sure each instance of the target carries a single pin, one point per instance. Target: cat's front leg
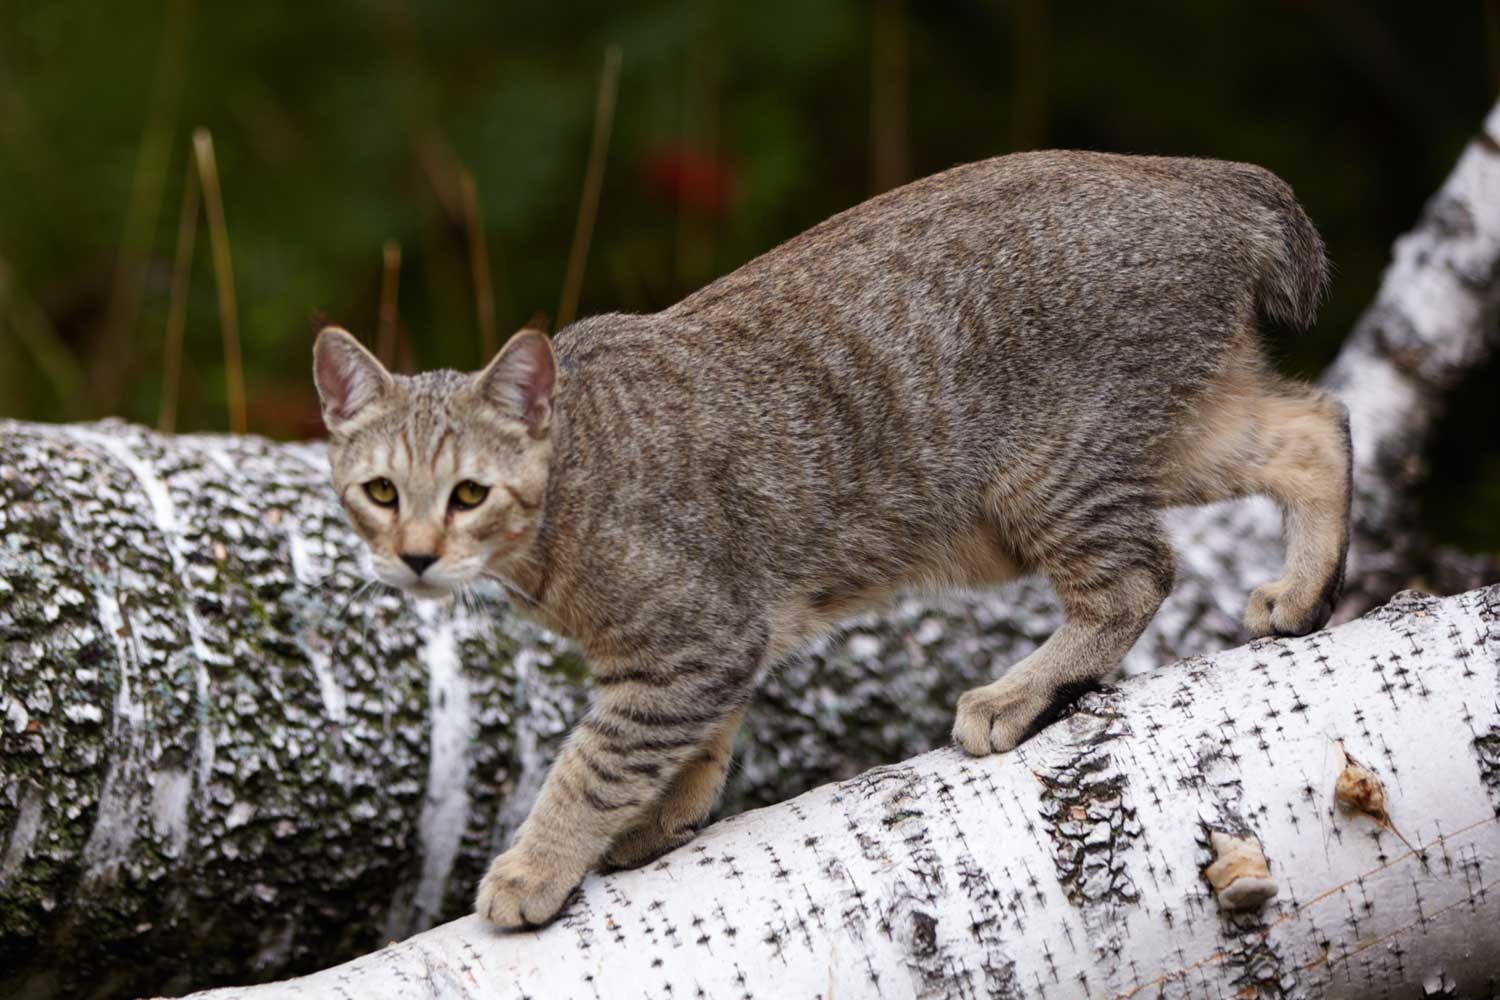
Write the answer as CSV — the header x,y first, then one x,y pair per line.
x,y
675,818
648,722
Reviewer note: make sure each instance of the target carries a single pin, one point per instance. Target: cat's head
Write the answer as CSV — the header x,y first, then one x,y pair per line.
x,y
443,474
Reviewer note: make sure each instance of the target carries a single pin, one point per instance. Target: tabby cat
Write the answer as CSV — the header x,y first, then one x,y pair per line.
x,y
1011,367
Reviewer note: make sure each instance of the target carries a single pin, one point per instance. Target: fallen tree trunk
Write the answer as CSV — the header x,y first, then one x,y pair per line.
x,y
1080,864
205,724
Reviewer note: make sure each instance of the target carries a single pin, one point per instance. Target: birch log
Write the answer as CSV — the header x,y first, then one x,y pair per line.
x,y
207,726
1075,866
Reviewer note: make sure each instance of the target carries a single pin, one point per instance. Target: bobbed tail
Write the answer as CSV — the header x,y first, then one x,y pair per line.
x,y
1296,275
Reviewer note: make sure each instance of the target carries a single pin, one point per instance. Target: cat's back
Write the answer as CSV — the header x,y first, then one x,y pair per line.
x,y
989,289
1054,220
878,374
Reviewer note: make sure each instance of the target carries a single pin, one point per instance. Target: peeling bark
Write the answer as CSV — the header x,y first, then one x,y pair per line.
x,y
207,727
1080,864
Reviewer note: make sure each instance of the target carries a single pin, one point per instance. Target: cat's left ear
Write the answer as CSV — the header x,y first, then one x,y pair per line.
x,y
522,379
349,377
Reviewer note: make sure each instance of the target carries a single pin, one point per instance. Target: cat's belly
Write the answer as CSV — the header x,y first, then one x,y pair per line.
x,y
972,559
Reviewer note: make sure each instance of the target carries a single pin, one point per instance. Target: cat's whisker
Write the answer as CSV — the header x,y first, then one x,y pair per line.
x,y
354,595
511,590
364,633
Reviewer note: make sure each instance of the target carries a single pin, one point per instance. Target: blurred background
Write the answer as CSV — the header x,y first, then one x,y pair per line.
x,y
182,183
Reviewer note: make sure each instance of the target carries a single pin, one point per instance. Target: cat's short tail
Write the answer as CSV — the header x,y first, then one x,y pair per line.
x,y
1295,270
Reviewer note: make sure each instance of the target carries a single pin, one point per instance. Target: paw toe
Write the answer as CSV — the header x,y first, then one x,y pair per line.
x,y
1259,610
514,895
1273,610
996,718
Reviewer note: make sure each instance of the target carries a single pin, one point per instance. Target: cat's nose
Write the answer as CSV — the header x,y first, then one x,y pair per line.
x,y
418,563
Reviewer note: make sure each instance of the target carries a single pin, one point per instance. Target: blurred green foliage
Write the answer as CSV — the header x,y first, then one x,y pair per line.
x,y
340,125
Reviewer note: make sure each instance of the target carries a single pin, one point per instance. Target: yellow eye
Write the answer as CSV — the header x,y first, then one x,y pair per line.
x,y
468,494
382,491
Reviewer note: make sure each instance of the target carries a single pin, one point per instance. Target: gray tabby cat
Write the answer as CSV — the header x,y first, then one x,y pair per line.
x,y
1007,368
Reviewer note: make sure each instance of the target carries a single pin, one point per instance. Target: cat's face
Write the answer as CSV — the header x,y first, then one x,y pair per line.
x,y
443,474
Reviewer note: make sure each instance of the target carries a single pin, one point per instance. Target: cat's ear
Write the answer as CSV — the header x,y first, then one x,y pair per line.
x,y
520,382
349,377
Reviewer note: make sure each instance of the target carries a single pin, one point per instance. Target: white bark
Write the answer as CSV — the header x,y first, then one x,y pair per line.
x,y
1074,866
1434,320
204,728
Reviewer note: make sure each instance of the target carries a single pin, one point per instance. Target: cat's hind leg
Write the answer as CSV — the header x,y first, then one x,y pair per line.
x,y
1111,572
1256,433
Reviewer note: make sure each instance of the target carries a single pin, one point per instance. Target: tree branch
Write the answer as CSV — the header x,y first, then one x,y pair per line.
x,y
1083,863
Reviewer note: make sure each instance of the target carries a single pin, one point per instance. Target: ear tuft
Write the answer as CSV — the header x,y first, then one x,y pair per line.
x,y
520,382
349,378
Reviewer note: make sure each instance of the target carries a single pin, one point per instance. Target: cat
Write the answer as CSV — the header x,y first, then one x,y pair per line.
x,y
1010,367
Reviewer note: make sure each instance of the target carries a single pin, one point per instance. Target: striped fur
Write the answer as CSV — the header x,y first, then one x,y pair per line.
x,y
1008,368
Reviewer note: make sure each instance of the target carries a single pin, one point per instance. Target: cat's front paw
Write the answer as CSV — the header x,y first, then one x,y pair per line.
x,y
523,891
997,717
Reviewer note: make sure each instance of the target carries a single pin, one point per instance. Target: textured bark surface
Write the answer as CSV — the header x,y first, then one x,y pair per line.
x,y
221,760
1075,866
1434,320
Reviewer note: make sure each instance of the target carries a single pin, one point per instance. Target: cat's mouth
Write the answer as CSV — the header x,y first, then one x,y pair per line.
x,y
426,586
428,590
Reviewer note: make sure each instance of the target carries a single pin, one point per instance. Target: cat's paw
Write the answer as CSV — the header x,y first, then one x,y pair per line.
x,y
1285,609
996,717
523,891
645,844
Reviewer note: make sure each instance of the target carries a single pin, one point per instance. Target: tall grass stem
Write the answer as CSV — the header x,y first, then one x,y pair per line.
x,y
479,263
182,272
390,291
593,182
218,240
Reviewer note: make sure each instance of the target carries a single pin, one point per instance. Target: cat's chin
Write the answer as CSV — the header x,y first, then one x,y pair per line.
x,y
421,589
429,591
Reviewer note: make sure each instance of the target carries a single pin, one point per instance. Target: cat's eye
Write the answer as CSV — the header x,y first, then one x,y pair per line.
x,y
468,495
382,491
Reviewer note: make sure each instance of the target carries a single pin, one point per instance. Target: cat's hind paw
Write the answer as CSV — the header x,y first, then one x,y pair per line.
x,y
1285,609
997,717
645,844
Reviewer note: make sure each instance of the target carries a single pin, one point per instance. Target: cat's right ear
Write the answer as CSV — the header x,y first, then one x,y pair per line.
x,y
349,377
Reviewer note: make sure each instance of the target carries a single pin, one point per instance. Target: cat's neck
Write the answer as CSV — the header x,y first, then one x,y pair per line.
x,y
524,574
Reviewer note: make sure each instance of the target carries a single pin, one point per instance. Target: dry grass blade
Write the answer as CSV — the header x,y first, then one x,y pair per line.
x,y
479,261
218,239
889,76
593,181
700,131
111,367
182,270
1033,35
40,339
390,290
